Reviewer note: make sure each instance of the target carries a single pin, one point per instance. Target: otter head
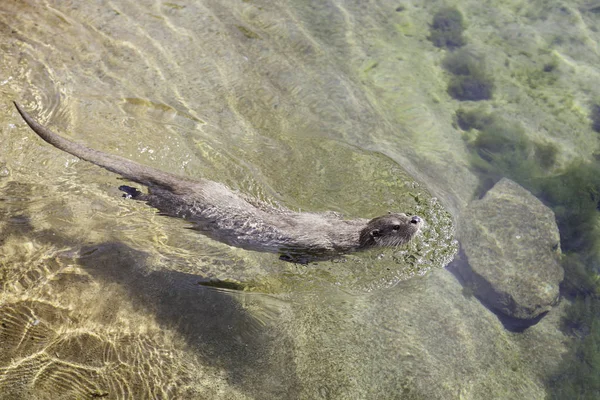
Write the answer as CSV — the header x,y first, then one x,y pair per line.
x,y
390,230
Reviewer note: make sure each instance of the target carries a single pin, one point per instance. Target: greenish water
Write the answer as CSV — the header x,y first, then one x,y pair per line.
x,y
353,107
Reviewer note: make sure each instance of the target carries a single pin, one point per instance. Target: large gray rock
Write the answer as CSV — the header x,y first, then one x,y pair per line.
x,y
512,245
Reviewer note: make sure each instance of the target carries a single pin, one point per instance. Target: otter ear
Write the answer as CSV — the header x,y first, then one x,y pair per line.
x,y
375,233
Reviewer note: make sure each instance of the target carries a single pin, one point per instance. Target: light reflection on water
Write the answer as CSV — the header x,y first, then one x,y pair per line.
x,y
299,103
112,296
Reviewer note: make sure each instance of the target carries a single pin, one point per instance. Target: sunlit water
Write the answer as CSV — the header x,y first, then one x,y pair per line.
x,y
318,106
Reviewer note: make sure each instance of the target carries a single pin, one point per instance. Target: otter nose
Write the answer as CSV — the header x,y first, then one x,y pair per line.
x,y
415,219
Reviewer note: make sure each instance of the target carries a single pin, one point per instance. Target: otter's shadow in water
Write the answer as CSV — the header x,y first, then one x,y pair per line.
x,y
213,322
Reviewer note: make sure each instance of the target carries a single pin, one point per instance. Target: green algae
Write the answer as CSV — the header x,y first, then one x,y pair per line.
x,y
501,148
579,280
447,28
247,32
595,117
579,378
469,80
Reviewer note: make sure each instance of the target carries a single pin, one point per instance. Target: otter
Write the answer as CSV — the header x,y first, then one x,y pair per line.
x,y
237,220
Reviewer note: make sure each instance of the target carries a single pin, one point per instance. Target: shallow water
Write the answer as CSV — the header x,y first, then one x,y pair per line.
x,y
323,105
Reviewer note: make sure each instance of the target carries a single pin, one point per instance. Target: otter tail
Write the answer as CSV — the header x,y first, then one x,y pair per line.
x,y
128,169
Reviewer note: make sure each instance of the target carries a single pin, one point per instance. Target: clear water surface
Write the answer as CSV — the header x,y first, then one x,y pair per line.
x,y
316,105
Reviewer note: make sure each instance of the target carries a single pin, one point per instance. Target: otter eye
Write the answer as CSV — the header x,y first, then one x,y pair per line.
x,y
396,227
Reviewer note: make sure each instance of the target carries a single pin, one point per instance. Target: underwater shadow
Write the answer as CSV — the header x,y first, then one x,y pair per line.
x,y
511,324
213,321
257,357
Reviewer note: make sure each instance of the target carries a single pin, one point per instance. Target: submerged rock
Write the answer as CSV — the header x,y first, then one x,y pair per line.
x,y
512,244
